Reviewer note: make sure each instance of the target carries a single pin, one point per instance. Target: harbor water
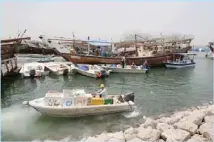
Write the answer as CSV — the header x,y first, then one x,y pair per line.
x,y
161,91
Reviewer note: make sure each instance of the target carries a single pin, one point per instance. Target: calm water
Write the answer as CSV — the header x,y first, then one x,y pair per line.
x,y
161,91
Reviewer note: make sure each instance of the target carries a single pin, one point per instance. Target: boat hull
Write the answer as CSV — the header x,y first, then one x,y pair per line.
x,y
77,111
176,66
122,70
85,73
153,61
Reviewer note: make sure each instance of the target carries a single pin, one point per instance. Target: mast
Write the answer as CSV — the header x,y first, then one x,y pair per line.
x,y
135,39
73,40
88,45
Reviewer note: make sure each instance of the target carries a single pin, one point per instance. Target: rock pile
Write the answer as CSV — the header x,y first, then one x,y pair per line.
x,y
190,125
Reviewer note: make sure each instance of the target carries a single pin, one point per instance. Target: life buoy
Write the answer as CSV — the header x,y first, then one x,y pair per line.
x,y
98,74
68,103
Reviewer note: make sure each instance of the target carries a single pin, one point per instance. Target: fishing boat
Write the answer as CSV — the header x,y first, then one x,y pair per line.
x,y
155,51
33,70
94,71
76,103
59,68
186,61
211,54
127,69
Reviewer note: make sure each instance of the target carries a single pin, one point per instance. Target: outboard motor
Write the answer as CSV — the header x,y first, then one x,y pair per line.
x,y
65,72
129,97
32,73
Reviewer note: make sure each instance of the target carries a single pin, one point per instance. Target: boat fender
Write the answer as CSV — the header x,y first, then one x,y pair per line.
x,y
129,97
98,74
68,103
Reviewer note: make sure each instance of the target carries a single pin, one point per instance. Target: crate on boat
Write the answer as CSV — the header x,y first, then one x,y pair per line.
x,y
96,101
53,99
81,101
79,92
68,102
68,93
108,101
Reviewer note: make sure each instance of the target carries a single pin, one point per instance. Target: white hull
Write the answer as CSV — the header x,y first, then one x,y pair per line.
x,y
123,70
179,66
86,73
76,111
39,69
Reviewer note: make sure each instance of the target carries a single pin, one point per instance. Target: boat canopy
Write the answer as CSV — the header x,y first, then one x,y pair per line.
x,y
99,43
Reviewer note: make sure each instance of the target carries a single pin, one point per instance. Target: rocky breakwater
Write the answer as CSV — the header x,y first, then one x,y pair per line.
x,y
195,124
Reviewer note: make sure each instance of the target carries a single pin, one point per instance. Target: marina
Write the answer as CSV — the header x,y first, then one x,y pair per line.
x,y
150,100
107,72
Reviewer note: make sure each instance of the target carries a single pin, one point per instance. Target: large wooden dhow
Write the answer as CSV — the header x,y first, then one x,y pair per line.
x,y
155,51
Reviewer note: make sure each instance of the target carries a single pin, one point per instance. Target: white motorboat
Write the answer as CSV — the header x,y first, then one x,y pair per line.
x,y
182,62
127,69
59,68
33,70
75,103
94,71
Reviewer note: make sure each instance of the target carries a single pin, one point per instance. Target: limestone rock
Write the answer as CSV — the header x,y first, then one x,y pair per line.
x,y
196,117
93,139
197,138
163,126
115,140
187,126
178,116
135,140
175,135
148,134
206,130
209,118
149,122
209,110
117,135
130,134
163,120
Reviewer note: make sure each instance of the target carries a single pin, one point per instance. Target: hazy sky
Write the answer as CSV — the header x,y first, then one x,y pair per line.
x,y
108,19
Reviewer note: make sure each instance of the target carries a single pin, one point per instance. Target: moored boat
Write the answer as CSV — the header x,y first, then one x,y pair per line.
x,y
94,71
58,68
211,54
33,70
184,62
155,51
75,103
127,69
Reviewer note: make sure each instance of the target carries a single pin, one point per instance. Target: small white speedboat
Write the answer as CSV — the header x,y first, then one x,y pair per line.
x,y
59,68
72,103
181,63
128,69
94,71
33,70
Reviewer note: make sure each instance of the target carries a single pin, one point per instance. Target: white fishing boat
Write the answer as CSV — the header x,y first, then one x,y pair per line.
x,y
33,70
127,69
184,62
59,68
75,103
94,71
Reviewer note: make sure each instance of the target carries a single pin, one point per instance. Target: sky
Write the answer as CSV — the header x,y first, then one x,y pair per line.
x,y
108,20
